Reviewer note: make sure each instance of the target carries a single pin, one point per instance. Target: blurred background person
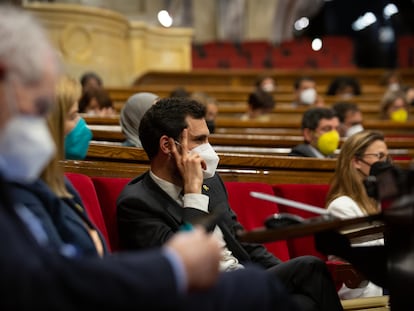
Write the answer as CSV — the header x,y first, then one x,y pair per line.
x,y
394,106
350,118
179,91
96,102
89,80
265,83
68,214
391,80
211,108
131,115
347,196
305,93
345,87
76,131
320,134
259,106
409,94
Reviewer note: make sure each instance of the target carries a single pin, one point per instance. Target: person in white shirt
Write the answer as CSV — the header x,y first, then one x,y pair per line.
x,y
347,197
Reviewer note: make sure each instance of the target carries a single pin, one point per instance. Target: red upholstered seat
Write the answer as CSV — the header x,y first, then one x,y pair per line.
x,y
304,193
108,190
312,194
251,212
83,184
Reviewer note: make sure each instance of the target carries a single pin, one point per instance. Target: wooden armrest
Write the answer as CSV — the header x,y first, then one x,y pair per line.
x,y
366,303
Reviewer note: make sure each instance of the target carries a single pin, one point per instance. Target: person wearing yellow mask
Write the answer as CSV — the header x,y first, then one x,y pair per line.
x,y
394,106
320,134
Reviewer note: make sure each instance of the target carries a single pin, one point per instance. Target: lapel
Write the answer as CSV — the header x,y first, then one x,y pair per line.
x,y
160,199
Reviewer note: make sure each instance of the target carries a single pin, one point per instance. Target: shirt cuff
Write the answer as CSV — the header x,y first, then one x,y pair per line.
x,y
178,269
196,200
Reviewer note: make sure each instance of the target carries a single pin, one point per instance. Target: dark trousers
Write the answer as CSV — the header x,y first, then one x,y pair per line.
x,y
242,290
309,283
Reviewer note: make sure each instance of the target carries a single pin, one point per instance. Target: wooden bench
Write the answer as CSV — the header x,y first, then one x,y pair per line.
x,y
228,97
248,77
127,161
247,126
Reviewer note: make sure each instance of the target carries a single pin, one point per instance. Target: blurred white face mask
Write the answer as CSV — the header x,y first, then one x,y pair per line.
x,y
211,158
354,129
268,87
308,96
26,147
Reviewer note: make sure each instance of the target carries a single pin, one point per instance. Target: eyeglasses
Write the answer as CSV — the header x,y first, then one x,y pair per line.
x,y
380,156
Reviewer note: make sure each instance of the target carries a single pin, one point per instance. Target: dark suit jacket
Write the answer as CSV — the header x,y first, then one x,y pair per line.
x,y
34,277
62,219
148,217
302,150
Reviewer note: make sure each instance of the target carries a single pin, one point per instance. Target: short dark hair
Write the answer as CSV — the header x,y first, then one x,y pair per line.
x,y
167,117
101,96
261,100
311,117
299,81
179,92
341,109
339,83
88,76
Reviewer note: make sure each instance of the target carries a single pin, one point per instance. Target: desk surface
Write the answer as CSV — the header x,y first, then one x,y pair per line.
x,y
358,230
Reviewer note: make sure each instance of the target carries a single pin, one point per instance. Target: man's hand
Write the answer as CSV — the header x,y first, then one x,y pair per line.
x,y
190,165
200,254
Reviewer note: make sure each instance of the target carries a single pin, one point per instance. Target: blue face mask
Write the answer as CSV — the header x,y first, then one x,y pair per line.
x,y
77,141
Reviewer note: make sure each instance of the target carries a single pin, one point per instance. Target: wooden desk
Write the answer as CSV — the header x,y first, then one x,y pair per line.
x,y
359,229
247,77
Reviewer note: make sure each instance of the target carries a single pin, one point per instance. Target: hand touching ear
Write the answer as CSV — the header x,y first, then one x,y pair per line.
x,y
190,165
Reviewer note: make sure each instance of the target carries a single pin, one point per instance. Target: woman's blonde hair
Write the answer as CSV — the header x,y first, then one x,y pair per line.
x,y
347,180
68,91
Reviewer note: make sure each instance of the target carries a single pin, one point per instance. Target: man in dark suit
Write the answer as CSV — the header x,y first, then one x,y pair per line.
x,y
182,188
320,134
182,275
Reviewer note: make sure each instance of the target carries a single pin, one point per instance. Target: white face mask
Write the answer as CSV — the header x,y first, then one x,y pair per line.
x,y
308,96
268,87
26,146
210,157
394,86
354,129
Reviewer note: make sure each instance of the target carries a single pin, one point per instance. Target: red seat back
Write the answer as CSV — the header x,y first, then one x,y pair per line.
x,y
83,184
251,212
108,190
305,193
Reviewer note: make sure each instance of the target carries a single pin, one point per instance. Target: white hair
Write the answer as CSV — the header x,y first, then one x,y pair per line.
x,y
24,46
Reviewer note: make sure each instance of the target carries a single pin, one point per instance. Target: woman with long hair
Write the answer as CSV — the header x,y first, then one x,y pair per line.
x,y
347,197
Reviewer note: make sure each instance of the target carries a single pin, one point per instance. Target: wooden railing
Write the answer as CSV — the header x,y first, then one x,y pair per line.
x,y
110,160
109,127
228,78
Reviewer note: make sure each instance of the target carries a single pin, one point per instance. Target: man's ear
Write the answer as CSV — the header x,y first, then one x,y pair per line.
x,y
165,145
307,135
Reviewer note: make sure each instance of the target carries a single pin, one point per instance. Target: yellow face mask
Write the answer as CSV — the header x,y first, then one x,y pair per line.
x,y
328,142
400,115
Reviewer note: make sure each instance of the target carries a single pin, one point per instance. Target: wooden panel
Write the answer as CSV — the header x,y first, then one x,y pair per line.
x,y
248,77
107,160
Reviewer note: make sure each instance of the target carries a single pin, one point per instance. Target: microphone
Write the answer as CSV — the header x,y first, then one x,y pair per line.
x,y
295,204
